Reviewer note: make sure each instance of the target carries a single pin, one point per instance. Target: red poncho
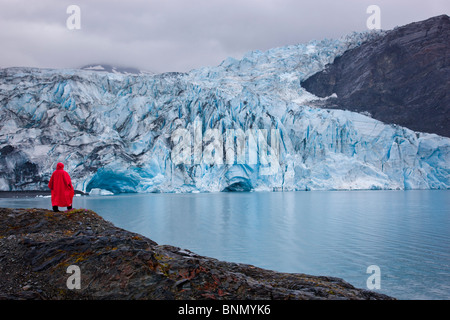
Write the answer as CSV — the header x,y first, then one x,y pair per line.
x,y
61,186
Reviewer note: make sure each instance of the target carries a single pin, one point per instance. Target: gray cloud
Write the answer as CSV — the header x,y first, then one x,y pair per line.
x,y
179,35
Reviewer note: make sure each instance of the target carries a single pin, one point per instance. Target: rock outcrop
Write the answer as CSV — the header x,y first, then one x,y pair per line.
x,y
401,78
37,246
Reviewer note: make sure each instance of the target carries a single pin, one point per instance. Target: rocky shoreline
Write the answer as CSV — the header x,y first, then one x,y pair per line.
x,y
37,246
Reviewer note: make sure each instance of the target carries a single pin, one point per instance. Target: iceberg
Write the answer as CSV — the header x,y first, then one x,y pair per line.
x,y
100,192
244,125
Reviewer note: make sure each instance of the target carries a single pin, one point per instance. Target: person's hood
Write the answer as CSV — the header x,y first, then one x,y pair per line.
x,y
59,166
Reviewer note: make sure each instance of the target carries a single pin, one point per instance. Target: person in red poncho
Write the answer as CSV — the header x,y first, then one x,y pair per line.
x,y
61,187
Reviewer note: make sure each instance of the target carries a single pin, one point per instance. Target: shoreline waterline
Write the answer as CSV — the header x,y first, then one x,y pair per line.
x,y
338,233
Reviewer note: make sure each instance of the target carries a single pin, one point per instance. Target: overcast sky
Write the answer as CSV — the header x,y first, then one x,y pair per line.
x,y
180,35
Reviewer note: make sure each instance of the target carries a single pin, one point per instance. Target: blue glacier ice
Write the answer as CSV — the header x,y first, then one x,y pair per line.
x,y
117,132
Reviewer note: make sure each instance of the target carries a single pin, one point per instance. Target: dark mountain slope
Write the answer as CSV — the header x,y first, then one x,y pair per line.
x,y
401,78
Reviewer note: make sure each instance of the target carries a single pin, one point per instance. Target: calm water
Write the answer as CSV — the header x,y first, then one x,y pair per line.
x,y
336,233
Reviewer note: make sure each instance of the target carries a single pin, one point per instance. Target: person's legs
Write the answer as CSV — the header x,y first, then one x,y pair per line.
x,y
55,209
69,208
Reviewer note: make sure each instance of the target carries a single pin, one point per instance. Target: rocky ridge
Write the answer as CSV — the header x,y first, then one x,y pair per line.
x,y
401,78
37,246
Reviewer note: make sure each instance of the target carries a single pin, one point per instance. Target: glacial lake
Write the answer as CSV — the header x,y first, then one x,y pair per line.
x,y
333,233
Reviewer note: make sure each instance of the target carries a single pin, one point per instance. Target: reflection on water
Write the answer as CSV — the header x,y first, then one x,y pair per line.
x,y
335,233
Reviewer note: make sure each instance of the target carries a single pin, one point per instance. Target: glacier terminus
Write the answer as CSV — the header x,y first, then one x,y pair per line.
x,y
244,125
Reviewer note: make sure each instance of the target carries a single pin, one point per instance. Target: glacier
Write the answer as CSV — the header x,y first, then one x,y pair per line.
x,y
115,132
